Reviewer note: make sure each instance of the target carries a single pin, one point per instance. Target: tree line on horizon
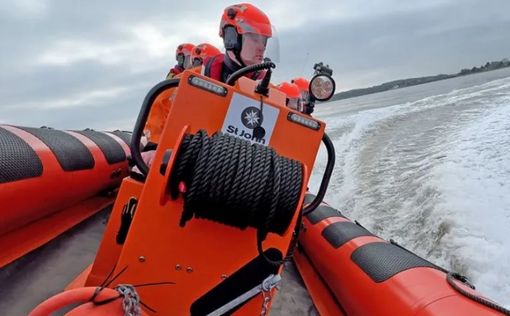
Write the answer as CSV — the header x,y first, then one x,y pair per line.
x,y
402,83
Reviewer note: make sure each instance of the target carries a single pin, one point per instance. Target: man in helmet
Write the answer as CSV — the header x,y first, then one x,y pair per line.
x,y
161,107
245,30
320,68
202,52
293,94
183,57
303,86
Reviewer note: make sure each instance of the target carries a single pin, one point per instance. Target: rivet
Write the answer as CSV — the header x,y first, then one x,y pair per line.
x,y
224,276
189,269
141,259
178,267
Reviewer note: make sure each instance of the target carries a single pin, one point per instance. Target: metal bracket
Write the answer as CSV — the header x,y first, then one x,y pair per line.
x,y
267,285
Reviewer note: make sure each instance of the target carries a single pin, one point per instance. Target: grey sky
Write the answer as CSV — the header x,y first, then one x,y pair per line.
x,y
71,64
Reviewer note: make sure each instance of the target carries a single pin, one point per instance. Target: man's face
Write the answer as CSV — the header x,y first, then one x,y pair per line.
x,y
187,60
294,103
305,97
180,60
196,62
254,46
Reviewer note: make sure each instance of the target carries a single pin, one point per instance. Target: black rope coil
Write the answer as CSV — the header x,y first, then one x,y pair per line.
x,y
237,183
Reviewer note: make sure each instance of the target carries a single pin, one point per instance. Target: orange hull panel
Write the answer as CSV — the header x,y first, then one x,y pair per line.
x,y
358,268
38,205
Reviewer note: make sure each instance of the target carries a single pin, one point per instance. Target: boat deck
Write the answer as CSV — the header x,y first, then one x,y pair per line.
x,y
46,271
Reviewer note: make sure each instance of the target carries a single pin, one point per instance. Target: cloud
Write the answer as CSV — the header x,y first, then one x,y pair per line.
x,y
94,98
80,111
140,40
23,9
69,61
384,47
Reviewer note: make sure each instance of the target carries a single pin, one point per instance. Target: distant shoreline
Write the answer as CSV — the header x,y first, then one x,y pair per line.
x,y
402,83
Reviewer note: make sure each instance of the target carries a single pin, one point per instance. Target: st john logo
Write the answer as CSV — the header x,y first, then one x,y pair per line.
x,y
245,120
251,117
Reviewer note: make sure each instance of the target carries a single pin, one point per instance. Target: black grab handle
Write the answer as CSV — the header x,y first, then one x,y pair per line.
x,y
325,179
136,155
246,70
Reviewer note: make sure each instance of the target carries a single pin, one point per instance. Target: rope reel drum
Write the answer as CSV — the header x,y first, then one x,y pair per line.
x,y
217,189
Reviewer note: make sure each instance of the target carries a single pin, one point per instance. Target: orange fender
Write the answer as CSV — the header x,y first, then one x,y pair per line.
x,y
82,295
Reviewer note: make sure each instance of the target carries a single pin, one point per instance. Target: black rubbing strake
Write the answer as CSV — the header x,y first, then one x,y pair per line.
x,y
125,136
17,159
339,233
382,260
111,149
323,211
71,153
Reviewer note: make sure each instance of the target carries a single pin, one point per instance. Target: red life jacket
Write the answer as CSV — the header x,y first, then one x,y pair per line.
x,y
215,69
174,71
